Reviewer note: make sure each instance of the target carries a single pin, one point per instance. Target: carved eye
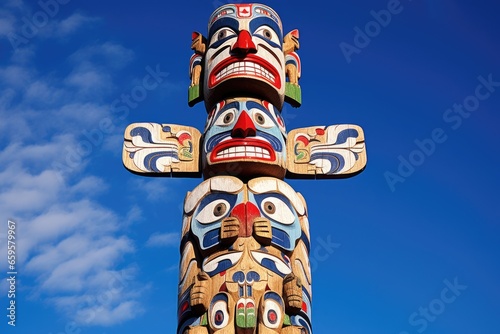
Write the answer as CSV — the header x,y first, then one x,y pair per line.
x,y
277,210
226,118
262,119
268,33
213,211
220,209
272,314
222,34
219,314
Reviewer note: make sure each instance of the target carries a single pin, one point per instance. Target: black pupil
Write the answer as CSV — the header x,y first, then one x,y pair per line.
x,y
267,33
260,119
228,118
270,207
219,209
222,34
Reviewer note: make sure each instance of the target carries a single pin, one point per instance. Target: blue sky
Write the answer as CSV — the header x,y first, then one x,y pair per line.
x,y
411,245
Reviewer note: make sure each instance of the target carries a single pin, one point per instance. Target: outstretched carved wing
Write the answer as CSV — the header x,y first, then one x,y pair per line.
x,y
161,149
333,151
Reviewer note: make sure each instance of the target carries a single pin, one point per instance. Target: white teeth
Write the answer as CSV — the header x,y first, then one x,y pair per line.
x,y
244,67
244,151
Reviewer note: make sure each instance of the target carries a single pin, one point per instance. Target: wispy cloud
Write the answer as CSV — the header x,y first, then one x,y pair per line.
x,y
108,53
163,240
7,21
14,3
92,64
15,76
73,248
72,24
23,23
154,189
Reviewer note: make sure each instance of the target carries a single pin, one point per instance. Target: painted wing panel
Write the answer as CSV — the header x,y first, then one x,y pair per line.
x,y
161,149
334,151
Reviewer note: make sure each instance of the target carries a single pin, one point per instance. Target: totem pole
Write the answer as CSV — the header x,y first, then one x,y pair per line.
x,y
244,264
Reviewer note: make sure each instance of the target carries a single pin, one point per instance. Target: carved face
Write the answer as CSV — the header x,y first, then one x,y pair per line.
x,y
245,53
247,239
244,130
226,202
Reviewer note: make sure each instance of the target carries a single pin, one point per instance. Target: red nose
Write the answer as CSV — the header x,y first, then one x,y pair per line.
x,y
246,213
244,127
244,43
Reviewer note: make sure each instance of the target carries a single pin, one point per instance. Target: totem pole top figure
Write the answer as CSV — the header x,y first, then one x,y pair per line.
x,y
245,55
244,71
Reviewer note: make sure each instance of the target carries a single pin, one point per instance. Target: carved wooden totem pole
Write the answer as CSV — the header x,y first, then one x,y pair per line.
x,y
245,235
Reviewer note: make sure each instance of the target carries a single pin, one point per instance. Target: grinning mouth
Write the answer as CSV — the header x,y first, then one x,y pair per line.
x,y
244,67
249,66
244,151
237,149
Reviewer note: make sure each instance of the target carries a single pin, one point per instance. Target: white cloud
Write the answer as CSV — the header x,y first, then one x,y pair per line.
x,y
15,76
133,215
108,301
72,23
114,143
76,261
23,192
109,313
155,189
72,246
14,3
163,240
62,28
89,79
41,91
111,54
80,116
18,26
92,65
23,55
89,185
6,22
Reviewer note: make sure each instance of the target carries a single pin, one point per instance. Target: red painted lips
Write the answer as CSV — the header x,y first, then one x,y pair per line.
x,y
237,149
249,66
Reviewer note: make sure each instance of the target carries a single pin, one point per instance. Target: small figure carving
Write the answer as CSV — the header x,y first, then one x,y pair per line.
x,y
198,45
290,45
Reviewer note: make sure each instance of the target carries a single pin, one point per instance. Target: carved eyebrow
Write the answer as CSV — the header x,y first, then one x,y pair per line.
x,y
252,104
232,105
263,185
227,183
260,21
221,23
